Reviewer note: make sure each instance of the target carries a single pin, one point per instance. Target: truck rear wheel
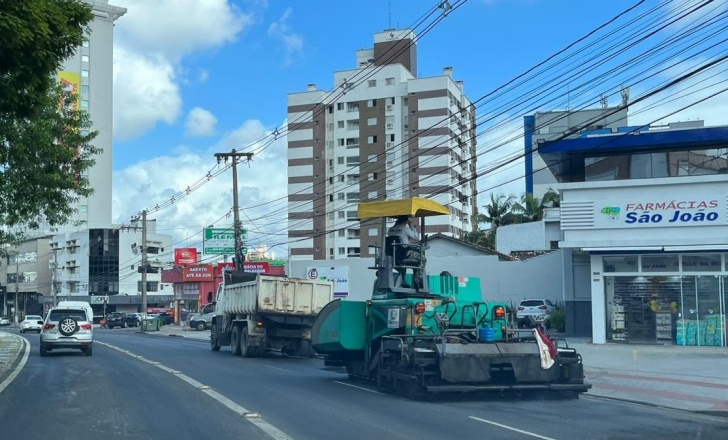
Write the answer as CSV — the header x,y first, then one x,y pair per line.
x,y
245,349
235,340
214,343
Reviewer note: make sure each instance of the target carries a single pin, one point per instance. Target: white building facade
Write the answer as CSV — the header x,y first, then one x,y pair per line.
x,y
391,135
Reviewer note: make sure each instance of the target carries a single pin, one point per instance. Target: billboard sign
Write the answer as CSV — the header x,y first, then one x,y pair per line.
x,y
221,241
185,256
201,272
702,210
337,275
71,83
248,266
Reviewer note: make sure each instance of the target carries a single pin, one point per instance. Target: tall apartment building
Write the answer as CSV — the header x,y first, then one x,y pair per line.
x,y
391,135
89,73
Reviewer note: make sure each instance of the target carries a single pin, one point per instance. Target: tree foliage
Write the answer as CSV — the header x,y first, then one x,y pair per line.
x,y
508,210
44,146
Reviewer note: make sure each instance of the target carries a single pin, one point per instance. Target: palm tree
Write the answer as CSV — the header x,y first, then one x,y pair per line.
x,y
496,212
530,208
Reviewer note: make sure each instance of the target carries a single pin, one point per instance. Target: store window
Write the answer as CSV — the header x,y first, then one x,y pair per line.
x,y
701,263
622,263
660,263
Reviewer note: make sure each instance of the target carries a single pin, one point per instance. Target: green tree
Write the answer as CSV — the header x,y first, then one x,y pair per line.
x,y
530,208
44,146
496,212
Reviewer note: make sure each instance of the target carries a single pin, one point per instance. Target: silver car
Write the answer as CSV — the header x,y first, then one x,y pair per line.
x,y
31,323
67,327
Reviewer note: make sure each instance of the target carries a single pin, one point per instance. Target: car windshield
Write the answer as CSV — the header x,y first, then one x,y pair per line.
x,y
33,318
57,315
532,303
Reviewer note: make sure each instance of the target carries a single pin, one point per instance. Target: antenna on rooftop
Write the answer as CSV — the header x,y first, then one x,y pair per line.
x,y
624,91
389,7
603,100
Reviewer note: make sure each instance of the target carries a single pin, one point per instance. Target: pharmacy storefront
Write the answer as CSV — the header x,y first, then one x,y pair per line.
x,y
659,257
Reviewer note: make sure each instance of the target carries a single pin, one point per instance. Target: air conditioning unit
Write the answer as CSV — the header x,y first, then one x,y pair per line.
x,y
390,108
390,144
390,126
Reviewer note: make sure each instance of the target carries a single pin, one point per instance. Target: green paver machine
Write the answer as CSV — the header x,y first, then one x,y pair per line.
x,y
438,335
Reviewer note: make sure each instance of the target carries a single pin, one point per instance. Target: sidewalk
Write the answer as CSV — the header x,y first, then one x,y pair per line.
x,y
11,347
173,330
684,378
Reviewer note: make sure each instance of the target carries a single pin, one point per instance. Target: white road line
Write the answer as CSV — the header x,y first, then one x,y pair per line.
x,y
19,367
500,425
251,417
358,387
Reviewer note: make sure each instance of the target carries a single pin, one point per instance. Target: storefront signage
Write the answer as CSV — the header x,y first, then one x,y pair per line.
x,y
201,272
698,211
337,275
248,266
185,256
221,241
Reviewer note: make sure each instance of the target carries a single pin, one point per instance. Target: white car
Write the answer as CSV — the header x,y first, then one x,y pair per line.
x,y
67,327
538,309
31,323
4,320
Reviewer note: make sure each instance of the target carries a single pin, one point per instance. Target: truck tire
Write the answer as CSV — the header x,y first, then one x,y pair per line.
x,y
214,343
235,340
201,326
245,349
305,350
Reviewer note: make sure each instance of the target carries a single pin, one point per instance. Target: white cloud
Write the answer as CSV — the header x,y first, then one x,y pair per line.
x,y
262,180
152,95
200,122
150,43
292,42
203,75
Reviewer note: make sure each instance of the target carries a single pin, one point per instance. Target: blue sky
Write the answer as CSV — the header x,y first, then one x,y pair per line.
x,y
194,77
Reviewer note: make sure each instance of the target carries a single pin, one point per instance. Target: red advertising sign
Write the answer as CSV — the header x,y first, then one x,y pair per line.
x,y
185,256
202,272
256,267
248,266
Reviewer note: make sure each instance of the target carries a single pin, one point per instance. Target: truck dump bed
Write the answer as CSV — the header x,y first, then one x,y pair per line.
x,y
274,294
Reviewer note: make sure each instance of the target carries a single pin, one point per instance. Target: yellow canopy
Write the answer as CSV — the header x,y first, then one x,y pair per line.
x,y
414,207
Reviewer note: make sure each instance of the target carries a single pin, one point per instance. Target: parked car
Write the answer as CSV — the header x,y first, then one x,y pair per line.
x,y
67,327
533,310
165,319
32,323
123,320
202,321
4,320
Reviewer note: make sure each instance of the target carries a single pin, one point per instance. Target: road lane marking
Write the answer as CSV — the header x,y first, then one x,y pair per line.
x,y
18,368
358,387
258,421
500,425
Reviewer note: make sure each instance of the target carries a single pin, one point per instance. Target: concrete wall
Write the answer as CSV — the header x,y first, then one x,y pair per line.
x,y
539,277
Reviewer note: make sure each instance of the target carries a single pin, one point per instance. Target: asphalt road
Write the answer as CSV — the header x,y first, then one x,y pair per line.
x,y
110,396
307,401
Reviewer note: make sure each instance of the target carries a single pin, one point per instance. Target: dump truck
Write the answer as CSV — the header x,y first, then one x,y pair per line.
x,y
419,336
257,313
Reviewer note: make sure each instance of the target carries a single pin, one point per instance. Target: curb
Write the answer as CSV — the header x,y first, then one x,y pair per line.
x,y
8,376
722,414
159,336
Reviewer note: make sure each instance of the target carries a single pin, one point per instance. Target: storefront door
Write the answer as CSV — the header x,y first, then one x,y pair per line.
x,y
703,313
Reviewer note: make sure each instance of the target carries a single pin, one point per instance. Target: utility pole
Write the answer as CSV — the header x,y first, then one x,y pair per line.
x,y
144,270
17,280
55,277
237,227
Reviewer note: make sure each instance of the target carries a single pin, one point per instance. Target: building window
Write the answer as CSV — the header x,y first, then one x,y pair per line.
x,y
85,42
371,103
352,233
340,160
84,103
372,121
331,215
351,216
340,124
341,178
391,100
342,251
352,125
342,233
352,197
84,89
391,138
152,286
84,58
340,106
352,106
331,196
372,176
352,161
340,196
84,73
372,195
372,83
389,81
353,252
372,139
341,142
372,158
342,214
